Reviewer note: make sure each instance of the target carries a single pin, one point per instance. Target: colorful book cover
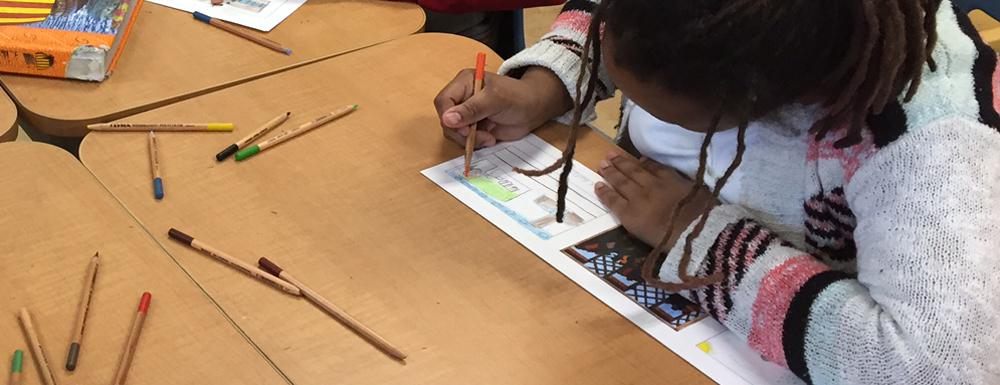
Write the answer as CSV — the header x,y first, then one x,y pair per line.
x,y
76,39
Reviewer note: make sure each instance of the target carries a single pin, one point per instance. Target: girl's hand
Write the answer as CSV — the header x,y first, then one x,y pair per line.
x,y
507,108
642,195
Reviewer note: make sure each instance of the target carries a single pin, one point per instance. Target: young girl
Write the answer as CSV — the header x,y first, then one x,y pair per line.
x,y
844,212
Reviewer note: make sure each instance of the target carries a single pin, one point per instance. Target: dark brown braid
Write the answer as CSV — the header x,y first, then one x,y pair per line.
x,y
853,56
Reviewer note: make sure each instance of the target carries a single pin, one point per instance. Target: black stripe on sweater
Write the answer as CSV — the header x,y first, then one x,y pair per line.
x,y
982,72
887,126
797,321
728,286
579,5
716,264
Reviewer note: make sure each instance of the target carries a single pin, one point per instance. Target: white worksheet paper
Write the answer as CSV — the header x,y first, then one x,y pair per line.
x,y
261,15
523,208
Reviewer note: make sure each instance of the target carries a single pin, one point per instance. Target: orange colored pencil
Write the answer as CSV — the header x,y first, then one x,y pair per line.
x,y
470,141
133,340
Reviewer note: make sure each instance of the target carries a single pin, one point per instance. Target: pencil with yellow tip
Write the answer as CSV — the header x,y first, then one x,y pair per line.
x,y
470,141
168,127
284,136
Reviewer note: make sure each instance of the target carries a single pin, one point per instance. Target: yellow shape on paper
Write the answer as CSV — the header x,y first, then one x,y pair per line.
x,y
705,347
491,188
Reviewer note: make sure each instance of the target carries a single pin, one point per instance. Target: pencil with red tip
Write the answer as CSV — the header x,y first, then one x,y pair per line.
x,y
133,339
470,141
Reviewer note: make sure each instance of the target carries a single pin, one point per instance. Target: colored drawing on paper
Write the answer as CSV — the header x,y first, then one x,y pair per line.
x,y
93,16
617,257
529,201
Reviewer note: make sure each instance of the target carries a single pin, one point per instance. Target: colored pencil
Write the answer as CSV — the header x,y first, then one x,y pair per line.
x,y
470,141
241,33
82,311
333,310
166,127
154,166
41,359
133,339
16,367
254,150
247,268
270,125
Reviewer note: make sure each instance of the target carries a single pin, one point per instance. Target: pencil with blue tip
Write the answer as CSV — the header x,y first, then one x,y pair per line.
x,y
242,143
238,32
170,127
284,136
154,165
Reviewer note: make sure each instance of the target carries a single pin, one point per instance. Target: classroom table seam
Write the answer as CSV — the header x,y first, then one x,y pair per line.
x,y
42,123
188,274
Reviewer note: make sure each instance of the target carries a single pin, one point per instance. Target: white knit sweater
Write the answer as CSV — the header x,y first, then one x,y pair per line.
x,y
876,264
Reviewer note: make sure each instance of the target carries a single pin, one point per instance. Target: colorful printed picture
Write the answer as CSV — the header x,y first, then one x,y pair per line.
x,y
529,201
617,257
93,16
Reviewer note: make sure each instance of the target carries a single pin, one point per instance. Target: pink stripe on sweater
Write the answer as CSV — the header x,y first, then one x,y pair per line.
x,y
578,21
996,88
771,306
736,252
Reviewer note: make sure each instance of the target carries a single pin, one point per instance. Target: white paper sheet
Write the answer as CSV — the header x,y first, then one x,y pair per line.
x,y
587,248
261,15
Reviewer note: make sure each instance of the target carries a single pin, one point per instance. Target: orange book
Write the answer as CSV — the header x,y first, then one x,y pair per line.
x,y
75,39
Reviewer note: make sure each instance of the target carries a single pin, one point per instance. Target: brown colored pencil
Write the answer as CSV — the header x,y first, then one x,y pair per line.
x,y
133,339
82,310
37,350
470,141
333,310
239,32
247,268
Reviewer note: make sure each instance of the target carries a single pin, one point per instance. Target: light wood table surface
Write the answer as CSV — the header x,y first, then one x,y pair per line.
x,y
8,119
170,56
53,216
346,210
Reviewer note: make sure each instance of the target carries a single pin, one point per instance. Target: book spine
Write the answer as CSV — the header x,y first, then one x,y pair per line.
x,y
134,13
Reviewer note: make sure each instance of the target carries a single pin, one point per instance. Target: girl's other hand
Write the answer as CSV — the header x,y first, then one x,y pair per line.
x,y
642,194
506,108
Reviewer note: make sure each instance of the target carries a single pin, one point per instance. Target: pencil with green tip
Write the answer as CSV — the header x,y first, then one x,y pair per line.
x,y
267,127
254,150
16,365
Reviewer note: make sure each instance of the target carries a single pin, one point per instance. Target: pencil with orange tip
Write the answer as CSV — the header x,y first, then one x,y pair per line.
x,y
83,309
133,339
470,141
333,310
35,343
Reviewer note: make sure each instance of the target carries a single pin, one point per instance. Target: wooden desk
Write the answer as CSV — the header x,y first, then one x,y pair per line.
x,y
171,57
53,216
345,209
988,28
8,119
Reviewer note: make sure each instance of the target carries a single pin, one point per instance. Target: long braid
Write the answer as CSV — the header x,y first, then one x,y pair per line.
x,y
591,45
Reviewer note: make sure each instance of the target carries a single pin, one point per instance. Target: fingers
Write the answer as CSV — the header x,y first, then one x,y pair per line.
x,y
453,93
480,106
611,198
483,138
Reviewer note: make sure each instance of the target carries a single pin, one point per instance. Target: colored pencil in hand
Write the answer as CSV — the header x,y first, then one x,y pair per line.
x,y
270,125
241,33
133,339
333,310
168,127
247,268
470,141
41,359
254,150
82,311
